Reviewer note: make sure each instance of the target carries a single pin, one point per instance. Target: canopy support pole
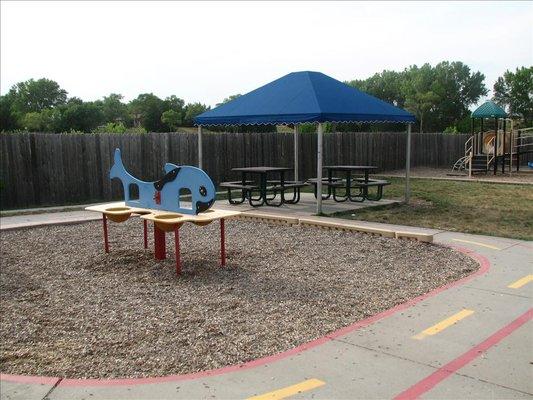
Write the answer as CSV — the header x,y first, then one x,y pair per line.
x,y
319,170
495,145
200,154
296,161
408,165
503,145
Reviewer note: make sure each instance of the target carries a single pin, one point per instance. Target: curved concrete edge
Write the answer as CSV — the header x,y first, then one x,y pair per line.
x,y
328,224
484,266
421,237
347,227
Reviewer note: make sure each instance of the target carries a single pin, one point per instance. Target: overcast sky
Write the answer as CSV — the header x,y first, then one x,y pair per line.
x,y
206,51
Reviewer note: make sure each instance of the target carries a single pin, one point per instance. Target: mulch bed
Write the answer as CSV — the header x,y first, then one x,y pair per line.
x,y
70,310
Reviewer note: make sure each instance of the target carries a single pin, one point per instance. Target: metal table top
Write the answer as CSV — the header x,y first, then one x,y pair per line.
x,y
349,167
261,169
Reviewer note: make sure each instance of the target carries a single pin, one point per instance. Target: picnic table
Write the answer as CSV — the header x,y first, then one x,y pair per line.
x,y
349,182
261,191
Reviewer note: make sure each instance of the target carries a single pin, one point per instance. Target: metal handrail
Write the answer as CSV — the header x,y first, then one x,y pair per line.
x,y
528,131
469,144
490,159
517,138
469,153
460,163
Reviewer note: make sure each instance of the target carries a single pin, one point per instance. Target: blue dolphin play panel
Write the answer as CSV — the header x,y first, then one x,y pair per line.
x,y
159,202
164,194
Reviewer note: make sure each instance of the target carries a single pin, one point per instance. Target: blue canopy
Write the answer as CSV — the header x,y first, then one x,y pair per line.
x,y
303,97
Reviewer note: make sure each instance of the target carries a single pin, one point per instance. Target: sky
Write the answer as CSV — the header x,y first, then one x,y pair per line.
x,y
206,51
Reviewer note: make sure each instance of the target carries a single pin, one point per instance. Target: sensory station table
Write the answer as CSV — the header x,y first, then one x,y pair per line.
x,y
164,221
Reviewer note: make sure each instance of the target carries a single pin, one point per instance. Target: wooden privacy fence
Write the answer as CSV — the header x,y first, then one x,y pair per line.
x,y
40,169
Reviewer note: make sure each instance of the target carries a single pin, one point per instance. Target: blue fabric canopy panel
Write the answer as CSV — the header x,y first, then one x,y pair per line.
x,y
304,97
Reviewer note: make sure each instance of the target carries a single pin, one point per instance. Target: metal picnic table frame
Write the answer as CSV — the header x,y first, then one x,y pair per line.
x,y
333,184
248,188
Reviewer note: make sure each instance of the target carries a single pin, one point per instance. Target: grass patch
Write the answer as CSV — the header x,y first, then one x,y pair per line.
x,y
482,208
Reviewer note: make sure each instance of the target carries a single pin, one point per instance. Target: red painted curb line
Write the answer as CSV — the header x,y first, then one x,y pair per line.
x,y
445,371
484,267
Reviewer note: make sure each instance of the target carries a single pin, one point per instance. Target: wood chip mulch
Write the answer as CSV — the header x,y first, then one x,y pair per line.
x,y
70,310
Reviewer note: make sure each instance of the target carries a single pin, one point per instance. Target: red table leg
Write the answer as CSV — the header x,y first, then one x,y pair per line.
x,y
159,243
106,241
177,244
145,232
222,243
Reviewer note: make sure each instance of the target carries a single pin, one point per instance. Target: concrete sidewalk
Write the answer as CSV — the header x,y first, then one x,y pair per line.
x,y
470,340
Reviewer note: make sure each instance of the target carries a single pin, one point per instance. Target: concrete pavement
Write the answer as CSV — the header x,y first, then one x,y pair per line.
x,y
472,339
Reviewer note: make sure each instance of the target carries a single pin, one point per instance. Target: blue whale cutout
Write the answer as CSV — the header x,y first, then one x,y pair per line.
x,y
164,194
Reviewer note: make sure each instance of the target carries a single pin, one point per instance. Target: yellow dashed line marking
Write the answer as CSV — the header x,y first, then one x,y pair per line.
x,y
290,390
521,282
433,330
489,246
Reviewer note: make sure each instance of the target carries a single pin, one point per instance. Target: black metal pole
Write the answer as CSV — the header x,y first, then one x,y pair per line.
x,y
518,152
472,131
481,135
495,145
503,144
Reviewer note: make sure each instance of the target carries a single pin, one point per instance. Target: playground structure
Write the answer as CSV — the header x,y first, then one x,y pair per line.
x,y
487,150
160,203
165,193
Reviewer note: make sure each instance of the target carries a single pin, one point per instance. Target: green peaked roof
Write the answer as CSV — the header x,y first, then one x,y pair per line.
x,y
489,109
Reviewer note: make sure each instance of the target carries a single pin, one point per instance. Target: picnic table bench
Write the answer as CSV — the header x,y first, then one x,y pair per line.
x,y
334,184
264,191
363,189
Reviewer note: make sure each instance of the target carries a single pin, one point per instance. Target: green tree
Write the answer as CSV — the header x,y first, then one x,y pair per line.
x,y
440,96
32,121
228,99
111,127
146,111
36,96
514,90
191,111
171,118
48,120
174,103
457,88
84,117
417,87
8,122
114,109
420,104
386,85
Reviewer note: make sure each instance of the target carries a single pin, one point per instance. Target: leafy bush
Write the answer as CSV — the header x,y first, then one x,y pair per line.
x,y
111,127
135,129
451,129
